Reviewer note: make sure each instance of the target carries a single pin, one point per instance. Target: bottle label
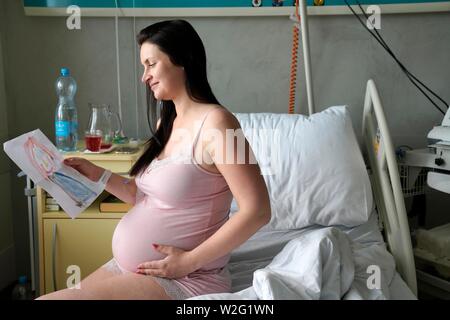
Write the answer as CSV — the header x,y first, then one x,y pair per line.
x,y
62,128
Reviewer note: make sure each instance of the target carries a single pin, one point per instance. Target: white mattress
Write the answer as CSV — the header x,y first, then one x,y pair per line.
x,y
259,250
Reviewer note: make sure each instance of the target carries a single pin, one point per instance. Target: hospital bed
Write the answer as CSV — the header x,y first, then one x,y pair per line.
x,y
339,228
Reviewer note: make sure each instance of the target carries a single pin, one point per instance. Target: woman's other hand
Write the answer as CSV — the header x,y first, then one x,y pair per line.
x,y
85,167
177,264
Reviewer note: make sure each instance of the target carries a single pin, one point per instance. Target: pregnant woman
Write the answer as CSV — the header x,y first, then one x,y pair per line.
x,y
176,240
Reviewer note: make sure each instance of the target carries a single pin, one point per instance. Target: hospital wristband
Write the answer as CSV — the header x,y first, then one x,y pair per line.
x,y
105,177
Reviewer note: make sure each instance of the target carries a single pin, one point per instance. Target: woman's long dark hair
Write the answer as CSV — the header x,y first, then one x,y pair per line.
x,y
179,40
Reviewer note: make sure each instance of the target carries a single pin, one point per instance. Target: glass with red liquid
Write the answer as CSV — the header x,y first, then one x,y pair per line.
x,y
93,140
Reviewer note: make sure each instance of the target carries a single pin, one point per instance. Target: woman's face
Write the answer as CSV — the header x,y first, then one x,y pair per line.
x,y
166,80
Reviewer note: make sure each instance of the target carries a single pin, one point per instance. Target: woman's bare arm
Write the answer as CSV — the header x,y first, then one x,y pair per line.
x,y
248,188
123,188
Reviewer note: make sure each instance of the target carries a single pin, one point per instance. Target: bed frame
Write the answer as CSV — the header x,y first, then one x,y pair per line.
x,y
385,180
383,170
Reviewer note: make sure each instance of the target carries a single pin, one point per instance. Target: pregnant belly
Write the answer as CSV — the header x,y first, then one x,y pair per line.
x,y
140,228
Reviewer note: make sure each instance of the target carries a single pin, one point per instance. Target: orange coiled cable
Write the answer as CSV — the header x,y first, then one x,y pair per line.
x,y
293,78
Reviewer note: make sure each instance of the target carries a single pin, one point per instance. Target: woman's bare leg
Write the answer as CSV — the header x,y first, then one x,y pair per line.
x,y
128,286
98,275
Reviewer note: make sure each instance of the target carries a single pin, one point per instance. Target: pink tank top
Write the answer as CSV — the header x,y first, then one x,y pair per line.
x,y
179,204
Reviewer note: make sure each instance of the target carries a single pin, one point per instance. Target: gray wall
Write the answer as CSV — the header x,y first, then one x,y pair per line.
x,y
248,66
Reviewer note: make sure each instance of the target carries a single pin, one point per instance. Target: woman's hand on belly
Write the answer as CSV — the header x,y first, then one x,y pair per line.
x,y
178,263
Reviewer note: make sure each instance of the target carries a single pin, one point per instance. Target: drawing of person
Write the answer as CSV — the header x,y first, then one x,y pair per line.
x,y
43,160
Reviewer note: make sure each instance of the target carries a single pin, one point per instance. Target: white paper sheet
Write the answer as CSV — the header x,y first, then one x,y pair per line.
x,y
35,155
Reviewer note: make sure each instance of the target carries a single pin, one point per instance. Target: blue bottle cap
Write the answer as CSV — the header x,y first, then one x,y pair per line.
x,y
65,72
23,279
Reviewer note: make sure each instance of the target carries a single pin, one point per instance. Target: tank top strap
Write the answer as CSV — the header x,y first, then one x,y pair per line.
x,y
200,129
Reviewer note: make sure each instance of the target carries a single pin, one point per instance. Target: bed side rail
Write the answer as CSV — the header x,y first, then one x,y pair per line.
x,y
386,185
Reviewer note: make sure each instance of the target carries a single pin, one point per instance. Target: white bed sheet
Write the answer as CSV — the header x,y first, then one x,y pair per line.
x,y
367,245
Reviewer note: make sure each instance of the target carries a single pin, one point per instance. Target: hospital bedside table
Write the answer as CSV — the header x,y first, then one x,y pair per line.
x,y
67,245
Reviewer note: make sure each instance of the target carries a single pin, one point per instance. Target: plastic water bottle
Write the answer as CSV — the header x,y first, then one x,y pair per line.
x,y
22,290
66,119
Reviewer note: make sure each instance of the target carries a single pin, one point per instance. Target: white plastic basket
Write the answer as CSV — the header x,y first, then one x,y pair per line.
x,y
412,179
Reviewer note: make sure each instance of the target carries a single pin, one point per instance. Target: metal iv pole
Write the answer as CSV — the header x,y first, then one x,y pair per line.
x,y
306,55
30,193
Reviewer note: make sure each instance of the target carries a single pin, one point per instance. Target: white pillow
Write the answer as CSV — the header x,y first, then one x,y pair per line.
x,y
312,166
